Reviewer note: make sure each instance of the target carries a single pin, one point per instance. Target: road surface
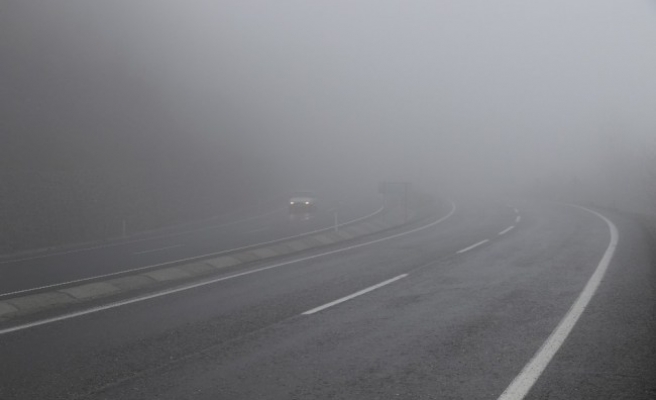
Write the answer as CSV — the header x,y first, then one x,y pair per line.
x,y
453,311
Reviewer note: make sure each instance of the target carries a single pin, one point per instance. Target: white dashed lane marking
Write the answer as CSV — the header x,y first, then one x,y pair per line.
x,y
482,242
354,295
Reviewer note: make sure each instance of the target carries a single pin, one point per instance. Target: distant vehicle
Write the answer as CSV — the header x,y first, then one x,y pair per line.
x,y
303,202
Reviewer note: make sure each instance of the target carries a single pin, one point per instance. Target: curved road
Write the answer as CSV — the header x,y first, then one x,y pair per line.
x,y
453,311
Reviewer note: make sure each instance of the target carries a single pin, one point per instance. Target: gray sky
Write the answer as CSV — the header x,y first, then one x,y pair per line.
x,y
478,91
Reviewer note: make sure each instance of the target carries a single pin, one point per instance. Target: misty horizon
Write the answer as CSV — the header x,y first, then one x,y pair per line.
x,y
504,98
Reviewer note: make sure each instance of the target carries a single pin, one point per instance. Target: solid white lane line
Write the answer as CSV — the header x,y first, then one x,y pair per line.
x,y
207,255
211,281
522,384
158,249
473,246
519,218
503,232
351,296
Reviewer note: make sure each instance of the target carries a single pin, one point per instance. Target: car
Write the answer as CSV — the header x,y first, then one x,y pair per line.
x,y
303,202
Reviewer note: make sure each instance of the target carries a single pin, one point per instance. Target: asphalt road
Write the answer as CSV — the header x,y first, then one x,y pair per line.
x,y
454,311
39,270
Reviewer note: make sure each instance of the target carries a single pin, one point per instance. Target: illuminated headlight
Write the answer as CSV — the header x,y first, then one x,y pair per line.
x,y
291,203
307,203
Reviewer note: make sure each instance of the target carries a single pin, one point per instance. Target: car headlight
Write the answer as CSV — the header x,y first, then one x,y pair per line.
x,y
307,203
291,203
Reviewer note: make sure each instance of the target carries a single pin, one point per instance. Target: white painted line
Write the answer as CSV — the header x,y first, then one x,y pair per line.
x,y
198,257
519,218
356,294
503,232
473,246
211,281
158,249
522,384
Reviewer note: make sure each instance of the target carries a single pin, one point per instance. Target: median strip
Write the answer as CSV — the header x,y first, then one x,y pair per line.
x,y
91,290
377,213
152,278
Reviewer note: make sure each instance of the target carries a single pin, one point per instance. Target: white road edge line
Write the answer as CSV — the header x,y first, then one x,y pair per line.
x,y
522,384
211,281
519,218
482,242
503,232
158,249
354,295
198,257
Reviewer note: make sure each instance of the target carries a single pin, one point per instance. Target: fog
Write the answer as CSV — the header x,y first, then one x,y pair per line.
x,y
506,97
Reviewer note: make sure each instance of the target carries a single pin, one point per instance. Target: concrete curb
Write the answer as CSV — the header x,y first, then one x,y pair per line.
x,y
158,277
